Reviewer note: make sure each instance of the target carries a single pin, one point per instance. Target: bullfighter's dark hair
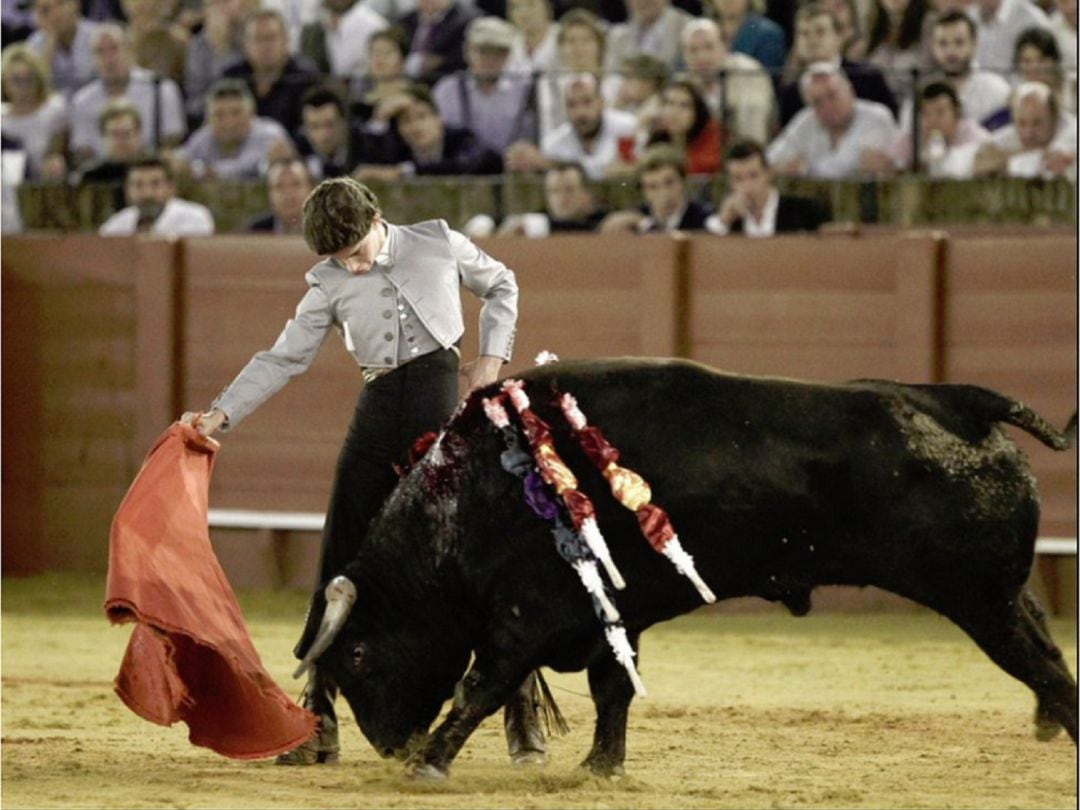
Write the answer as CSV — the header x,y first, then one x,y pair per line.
x,y
746,148
338,214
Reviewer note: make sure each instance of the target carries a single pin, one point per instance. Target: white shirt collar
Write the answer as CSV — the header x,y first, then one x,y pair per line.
x,y
766,226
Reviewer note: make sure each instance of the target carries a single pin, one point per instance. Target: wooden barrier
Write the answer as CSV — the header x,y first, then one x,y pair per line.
x,y
105,341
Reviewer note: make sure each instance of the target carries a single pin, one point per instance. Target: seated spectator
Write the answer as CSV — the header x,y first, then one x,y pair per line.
x,y
277,79
948,139
218,45
233,144
32,113
338,44
581,47
732,81
1037,59
687,124
569,206
375,94
159,103
593,136
120,128
153,206
837,135
287,186
436,35
667,206
1063,23
1000,22
818,39
536,45
754,206
982,94
747,31
428,146
62,40
848,26
653,27
486,98
899,42
330,145
643,80
158,37
1041,141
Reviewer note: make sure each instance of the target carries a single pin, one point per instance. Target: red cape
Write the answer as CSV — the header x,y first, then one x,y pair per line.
x,y
190,657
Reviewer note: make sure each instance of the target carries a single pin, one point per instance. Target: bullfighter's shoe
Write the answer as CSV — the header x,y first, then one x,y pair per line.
x,y
322,747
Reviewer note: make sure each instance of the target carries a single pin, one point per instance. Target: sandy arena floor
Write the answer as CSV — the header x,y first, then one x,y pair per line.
x,y
745,710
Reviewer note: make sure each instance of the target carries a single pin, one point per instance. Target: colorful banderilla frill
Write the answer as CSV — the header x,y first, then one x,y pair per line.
x,y
570,544
631,490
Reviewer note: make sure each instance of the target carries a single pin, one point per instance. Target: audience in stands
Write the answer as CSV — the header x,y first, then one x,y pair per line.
x,y
1038,59
376,94
32,114
643,80
653,27
849,27
159,35
569,207
329,144
667,205
747,31
234,143
62,40
818,39
736,87
536,46
153,206
949,138
754,206
120,130
1000,22
487,98
1040,142
218,45
687,124
338,44
837,135
592,135
277,79
436,35
1063,23
158,100
427,146
982,94
288,184
899,42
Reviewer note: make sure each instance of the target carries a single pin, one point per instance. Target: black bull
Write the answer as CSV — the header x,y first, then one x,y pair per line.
x,y
775,487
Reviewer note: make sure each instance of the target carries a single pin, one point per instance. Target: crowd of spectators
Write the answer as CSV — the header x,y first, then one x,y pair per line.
x,y
287,92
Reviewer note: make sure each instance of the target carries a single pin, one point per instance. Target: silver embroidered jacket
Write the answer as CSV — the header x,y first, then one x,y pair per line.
x,y
424,265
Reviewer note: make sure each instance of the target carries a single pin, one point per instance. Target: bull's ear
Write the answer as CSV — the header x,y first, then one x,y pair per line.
x,y
340,596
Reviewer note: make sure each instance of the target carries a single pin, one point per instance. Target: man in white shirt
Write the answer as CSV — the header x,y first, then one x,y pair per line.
x,y
118,78
953,45
62,39
835,136
653,27
1041,141
347,26
153,206
744,98
1063,24
950,139
1000,23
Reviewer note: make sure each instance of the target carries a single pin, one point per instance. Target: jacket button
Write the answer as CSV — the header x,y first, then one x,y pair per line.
x,y
389,336
387,313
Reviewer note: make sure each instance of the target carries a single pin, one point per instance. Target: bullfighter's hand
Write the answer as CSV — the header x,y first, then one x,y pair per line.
x,y
207,422
482,371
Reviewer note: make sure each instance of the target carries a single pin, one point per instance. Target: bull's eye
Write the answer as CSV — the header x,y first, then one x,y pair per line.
x,y
359,653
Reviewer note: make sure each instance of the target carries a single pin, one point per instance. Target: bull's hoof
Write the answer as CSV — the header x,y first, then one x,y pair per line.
x,y
1046,730
604,768
529,759
425,772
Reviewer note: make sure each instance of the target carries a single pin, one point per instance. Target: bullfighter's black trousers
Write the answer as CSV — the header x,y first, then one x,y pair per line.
x,y
391,413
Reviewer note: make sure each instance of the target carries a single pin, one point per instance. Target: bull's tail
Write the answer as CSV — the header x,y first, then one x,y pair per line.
x,y
547,708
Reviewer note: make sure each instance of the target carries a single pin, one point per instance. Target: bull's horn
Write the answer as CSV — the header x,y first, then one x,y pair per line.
x,y
340,596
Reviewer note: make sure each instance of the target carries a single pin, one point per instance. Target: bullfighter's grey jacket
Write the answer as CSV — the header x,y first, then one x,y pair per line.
x,y
423,265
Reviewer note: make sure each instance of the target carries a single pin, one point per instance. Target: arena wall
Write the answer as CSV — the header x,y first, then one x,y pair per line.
x,y
105,341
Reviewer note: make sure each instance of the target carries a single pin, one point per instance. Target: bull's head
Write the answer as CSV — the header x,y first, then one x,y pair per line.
x,y
394,677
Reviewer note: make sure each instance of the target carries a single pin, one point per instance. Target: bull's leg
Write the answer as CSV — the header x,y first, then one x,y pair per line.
x,y
612,692
477,696
1016,639
524,738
